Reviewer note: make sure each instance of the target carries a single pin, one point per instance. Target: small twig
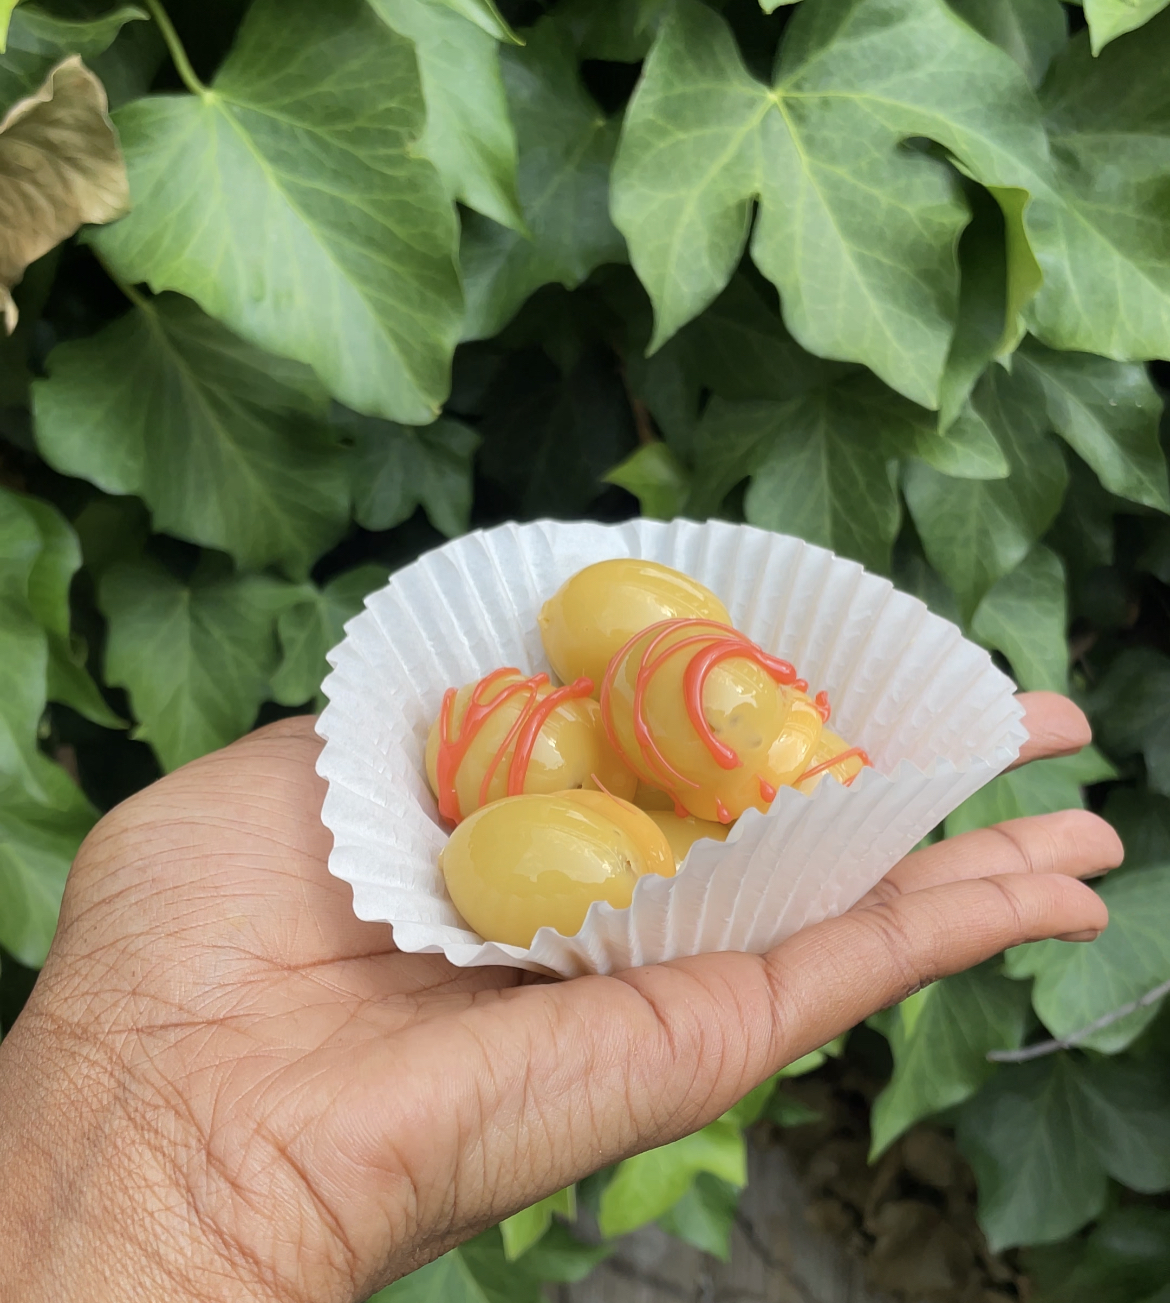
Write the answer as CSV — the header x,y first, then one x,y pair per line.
x,y
1069,1042
175,47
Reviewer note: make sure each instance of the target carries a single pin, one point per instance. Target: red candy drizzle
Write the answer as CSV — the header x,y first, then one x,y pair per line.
x,y
524,731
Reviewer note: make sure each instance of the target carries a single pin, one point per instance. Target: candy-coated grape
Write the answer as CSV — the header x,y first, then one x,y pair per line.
x,y
528,862
593,615
682,832
571,749
625,814
760,730
651,798
829,746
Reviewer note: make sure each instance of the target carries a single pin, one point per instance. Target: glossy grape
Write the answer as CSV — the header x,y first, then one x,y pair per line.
x,y
771,728
595,613
683,831
540,861
571,749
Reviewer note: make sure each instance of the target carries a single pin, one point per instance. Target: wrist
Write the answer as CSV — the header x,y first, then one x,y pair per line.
x,y
91,1199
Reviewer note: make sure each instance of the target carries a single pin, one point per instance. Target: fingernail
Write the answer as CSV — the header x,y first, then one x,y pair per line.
x,y
1090,934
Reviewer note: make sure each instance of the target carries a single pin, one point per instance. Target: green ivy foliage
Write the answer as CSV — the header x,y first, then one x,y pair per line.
x,y
891,275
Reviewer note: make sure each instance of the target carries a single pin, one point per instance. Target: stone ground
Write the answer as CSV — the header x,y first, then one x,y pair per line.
x,y
819,1224
776,1257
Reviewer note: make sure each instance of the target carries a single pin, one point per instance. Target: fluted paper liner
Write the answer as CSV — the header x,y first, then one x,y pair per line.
x,y
935,715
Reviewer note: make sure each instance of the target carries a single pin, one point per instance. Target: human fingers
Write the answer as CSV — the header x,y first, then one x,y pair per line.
x,y
1056,727
528,1091
229,848
1072,842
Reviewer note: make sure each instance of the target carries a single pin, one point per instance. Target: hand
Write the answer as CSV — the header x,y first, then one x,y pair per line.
x,y
227,1087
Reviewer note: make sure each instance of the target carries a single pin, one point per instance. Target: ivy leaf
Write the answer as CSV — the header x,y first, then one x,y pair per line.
x,y
1131,711
940,1038
523,1229
43,816
822,481
975,532
60,167
501,1281
1043,787
548,438
305,221
49,580
1128,1105
1125,1257
228,446
655,476
446,1280
669,385
740,349
38,840
6,8
1101,237
983,306
1025,616
566,145
485,15
23,650
913,574
1142,821
647,1185
195,658
617,31
1033,32
817,471
806,1063
822,148
560,1256
396,468
705,1216
23,673
1109,19
468,136
37,40
1075,985
1109,413
313,626
38,558
967,450
1043,1137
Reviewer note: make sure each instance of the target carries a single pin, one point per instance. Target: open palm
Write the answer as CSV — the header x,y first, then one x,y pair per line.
x,y
226,1086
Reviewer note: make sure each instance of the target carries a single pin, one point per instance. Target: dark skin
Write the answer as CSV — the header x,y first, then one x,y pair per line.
x,y
225,1086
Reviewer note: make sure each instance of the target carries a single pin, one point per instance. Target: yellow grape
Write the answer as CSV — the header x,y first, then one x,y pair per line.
x,y
683,831
595,613
540,861
570,750
828,747
747,709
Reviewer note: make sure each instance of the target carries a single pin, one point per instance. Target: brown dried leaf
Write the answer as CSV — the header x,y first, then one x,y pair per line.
x,y
60,167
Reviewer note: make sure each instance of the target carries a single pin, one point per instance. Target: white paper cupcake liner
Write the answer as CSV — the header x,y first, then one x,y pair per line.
x,y
935,715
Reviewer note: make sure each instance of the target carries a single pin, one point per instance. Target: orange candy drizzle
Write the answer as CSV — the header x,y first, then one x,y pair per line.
x,y
524,731
725,644
718,643
866,763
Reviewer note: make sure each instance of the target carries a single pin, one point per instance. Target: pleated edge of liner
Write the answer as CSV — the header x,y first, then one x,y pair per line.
x,y
481,952
1004,753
